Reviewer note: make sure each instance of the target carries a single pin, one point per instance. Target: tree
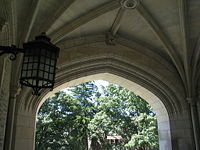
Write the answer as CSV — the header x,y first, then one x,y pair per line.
x,y
62,120
145,137
70,121
120,112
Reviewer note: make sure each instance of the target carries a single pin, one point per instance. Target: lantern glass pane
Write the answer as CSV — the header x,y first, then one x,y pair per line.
x,y
40,83
52,62
46,75
48,61
35,65
25,66
34,73
51,76
46,68
51,69
28,73
29,81
34,83
41,66
30,66
41,74
46,83
30,59
23,73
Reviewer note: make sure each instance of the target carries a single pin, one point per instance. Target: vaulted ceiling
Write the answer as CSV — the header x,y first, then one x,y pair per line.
x,y
170,27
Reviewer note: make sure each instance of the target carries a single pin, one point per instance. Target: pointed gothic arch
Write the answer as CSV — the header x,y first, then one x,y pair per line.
x,y
89,58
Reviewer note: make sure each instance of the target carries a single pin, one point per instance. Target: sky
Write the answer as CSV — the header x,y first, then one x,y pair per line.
x,y
98,83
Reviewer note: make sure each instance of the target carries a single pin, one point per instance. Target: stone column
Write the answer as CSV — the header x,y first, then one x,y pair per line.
x,y
10,118
198,107
5,75
195,122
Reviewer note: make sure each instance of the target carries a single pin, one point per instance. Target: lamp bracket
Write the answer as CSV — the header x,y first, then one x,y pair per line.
x,y
13,50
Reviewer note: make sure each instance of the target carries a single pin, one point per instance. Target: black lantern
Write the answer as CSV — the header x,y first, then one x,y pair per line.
x,y
39,64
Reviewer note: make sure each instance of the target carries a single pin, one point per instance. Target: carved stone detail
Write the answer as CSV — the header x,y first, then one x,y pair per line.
x,y
130,4
110,39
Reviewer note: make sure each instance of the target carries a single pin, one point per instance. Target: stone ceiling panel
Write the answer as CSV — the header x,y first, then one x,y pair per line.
x,y
99,25
166,15
134,27
194,18
75,10
22,10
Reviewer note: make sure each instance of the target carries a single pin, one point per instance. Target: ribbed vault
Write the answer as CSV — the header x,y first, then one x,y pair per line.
x,y
156,45
171,28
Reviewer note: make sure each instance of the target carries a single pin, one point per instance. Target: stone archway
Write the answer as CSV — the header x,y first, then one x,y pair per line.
x,y
141,71
26,124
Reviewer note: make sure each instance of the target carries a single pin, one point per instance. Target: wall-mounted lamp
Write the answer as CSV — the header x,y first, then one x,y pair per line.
x,y
39,62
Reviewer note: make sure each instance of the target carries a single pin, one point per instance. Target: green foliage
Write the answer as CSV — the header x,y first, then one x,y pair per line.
x,y
70,121
145,136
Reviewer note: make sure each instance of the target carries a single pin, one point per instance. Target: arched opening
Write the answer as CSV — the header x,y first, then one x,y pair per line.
x,y
153,100
143,72
96,115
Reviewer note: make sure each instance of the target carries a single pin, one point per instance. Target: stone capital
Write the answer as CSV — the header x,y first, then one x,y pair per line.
x,y
191,100
110,39
15,91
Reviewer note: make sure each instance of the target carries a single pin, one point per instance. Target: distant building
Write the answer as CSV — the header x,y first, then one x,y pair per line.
x,y
114,139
